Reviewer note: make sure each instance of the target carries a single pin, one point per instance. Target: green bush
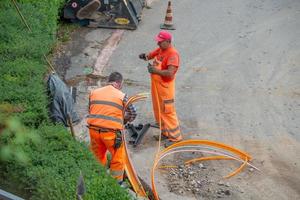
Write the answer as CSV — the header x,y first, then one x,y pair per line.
x,y
11,140
21,83
21,52
54,163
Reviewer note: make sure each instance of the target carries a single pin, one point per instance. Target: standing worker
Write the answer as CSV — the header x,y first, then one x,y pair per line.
x,y
163,70
106,120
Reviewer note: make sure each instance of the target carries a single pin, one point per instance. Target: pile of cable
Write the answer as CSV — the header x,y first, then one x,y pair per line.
x,y
216,151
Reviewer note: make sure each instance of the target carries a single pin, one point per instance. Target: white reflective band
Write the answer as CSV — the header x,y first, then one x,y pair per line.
x,y
106,117
116,173
169,101
109,103
170,130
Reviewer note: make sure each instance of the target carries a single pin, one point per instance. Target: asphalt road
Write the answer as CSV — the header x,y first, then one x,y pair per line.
x,y
238,84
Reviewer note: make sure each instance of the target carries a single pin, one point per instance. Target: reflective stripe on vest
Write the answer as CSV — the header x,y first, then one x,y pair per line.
x,y
107,103
106,118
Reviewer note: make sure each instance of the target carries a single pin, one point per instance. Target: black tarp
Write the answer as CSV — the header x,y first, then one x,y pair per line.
x,y
61,101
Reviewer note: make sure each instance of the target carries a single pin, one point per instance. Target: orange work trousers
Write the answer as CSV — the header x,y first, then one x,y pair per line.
x,y
103,141
163,94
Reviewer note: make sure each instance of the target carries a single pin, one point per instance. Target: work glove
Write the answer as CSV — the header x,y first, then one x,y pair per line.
x,y
151,68
143,56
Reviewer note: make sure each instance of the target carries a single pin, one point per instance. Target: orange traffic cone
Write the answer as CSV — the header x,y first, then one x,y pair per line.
x,y
168,24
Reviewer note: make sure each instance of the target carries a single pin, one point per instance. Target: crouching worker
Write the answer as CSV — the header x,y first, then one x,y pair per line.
x,y
106,120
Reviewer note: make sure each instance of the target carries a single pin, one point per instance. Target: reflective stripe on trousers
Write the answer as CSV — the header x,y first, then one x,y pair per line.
x,y
117,174
172,133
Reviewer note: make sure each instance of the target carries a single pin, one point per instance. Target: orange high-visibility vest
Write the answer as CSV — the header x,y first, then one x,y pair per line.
x,y
106,108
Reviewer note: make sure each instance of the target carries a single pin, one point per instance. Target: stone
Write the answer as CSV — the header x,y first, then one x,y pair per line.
x,y
227,192
201,165
220,183
193,182
191,172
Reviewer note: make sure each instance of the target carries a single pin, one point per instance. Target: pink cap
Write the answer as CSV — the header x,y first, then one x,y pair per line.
x,y
163,35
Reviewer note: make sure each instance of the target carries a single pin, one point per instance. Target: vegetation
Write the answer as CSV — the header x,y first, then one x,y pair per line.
x,y
38,160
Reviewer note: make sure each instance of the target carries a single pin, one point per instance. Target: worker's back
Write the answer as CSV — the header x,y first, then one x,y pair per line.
x,y
106,108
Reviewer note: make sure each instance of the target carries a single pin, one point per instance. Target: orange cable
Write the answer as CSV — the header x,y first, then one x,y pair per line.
x,y
238,169
158,147
208,158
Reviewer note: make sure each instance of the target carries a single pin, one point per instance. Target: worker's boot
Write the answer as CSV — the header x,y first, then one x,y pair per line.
x,y
87,11
169,143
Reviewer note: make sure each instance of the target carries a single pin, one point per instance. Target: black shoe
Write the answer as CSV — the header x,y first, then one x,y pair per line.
x,y
169,143
156,137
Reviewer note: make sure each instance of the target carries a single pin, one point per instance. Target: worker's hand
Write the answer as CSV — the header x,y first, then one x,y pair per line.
x,y
151,68
143,56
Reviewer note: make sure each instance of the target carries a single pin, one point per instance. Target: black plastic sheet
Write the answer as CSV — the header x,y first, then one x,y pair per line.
x,y
61,101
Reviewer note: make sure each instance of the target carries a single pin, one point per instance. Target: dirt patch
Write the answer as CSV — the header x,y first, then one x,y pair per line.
x,y
197,180
70,38
201,180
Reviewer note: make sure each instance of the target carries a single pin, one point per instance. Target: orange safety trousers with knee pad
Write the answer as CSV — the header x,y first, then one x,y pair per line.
x,y
105,119
103,142
163,94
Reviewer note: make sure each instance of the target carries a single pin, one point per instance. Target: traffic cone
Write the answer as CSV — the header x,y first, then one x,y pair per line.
x,y
168,24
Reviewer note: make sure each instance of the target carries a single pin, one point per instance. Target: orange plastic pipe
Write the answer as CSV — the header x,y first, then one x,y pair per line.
x,y
158,148
130,171
208,158
238,152
241,154
238,170
167,166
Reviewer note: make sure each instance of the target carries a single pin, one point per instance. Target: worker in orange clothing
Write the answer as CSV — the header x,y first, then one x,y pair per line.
x,y
106,120
163,71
